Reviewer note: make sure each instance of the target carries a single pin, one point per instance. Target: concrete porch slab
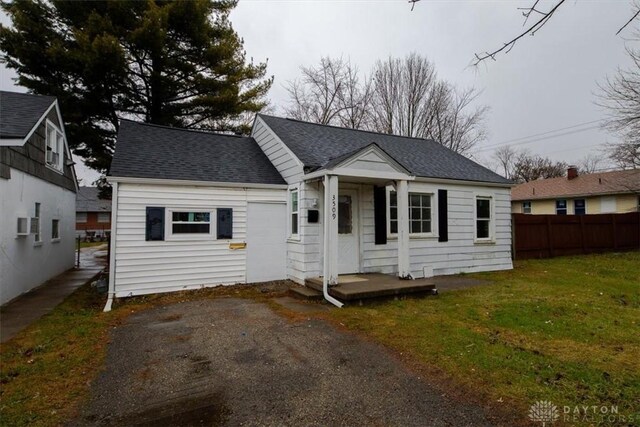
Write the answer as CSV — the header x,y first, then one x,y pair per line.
x,y
372,285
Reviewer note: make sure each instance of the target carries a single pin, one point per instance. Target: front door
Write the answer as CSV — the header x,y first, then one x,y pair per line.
x,y
348,241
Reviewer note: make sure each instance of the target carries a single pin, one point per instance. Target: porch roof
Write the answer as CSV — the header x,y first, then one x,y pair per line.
x,y
317,145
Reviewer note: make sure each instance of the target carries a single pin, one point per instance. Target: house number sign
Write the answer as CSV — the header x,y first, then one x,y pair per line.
x,y
333,206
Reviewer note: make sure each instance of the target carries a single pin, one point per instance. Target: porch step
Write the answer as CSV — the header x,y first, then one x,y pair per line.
x,y
304,292
373,285
314,283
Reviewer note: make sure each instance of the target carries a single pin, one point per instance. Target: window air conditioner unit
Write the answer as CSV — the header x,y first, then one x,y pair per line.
x,y
23,227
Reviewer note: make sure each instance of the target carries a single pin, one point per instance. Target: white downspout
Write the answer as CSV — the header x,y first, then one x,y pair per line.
x,y
112,249
326,249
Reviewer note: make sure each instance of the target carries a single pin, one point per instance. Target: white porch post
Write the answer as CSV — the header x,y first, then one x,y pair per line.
x,y
330,268
331,229
404,267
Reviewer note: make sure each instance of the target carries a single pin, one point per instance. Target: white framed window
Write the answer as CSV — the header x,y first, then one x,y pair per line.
x,y
81,217
190,222
421,214
561,207
55,229
35,224
294,212
484,219
104,217
54,155
526,207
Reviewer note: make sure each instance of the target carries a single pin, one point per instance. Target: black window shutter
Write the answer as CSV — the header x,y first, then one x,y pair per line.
x,y
225,223
380,214
443,220
155,224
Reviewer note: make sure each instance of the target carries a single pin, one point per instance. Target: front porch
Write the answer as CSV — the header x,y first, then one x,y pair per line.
x,y
357,287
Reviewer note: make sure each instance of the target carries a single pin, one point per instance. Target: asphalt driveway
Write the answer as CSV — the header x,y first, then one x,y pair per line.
x,y
232,361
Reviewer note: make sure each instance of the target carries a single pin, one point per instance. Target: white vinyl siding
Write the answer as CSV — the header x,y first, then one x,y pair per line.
x,y
459,254
143,267
282,158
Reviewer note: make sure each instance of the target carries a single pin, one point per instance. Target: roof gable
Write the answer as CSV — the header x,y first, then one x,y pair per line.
x,y
316,145
20,114
369,159
160,152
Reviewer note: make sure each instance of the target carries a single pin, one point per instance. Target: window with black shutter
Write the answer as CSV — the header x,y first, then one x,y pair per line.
x,y
380,214
443,219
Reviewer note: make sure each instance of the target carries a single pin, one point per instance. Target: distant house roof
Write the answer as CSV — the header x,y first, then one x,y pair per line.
x,y
318,146
87,201
160,152
616,182
20,112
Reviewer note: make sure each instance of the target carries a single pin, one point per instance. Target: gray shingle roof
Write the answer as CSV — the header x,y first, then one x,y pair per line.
x,y
151,151
316,145
20,112
87,201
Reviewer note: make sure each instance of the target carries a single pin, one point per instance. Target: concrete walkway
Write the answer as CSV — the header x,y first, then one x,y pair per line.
x,y
29,307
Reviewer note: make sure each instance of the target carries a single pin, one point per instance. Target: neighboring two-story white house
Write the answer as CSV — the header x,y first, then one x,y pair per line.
x,y
297,201
37,194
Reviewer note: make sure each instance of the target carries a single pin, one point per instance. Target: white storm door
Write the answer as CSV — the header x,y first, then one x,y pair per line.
x,y
266,242
348,238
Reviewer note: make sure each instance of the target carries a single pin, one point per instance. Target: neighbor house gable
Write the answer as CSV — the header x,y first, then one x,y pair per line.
x,y
26,122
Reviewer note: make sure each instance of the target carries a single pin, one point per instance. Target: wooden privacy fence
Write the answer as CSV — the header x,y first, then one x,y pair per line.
x,y
547,236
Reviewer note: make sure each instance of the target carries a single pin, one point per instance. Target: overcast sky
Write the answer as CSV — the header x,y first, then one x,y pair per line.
x,y
546,82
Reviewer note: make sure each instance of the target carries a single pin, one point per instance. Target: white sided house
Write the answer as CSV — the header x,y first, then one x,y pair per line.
x,y
297,201
37,194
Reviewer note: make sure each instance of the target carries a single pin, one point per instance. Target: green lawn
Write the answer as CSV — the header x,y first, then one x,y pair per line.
x,y
565,330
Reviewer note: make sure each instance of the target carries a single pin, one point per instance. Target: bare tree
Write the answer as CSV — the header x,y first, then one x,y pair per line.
x,y
620,95
528,167
410,100
355,100
506,157
458,125
330,93
542,17
401,97
625,155
406,95
590,163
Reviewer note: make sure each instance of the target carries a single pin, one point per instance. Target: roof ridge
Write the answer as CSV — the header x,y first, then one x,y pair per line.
x,y
349,129
52,97
208,132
